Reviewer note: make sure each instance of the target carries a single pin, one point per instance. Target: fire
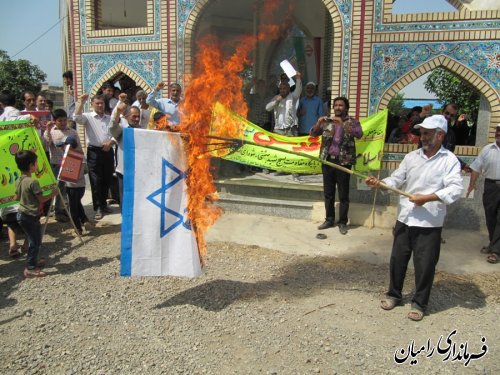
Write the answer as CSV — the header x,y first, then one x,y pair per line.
x,y
216,77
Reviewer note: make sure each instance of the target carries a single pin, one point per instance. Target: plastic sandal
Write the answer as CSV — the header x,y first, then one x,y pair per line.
x,y
37,272
416,315
493,258
15,252
388,303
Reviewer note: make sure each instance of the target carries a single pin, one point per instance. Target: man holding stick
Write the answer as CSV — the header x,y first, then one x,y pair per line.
x,y
338,147
431,175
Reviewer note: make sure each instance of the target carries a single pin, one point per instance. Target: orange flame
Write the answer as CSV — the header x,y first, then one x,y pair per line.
x,y
216,78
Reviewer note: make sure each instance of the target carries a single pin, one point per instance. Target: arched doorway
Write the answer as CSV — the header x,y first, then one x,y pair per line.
x,y
123,77
487,119
317,22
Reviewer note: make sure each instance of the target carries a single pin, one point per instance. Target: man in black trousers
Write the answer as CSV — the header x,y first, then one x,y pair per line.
x,y
100,155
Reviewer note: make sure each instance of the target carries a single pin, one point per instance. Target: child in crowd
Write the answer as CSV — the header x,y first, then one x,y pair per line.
x,y
29,195
9,218
76,191
57,131
58,137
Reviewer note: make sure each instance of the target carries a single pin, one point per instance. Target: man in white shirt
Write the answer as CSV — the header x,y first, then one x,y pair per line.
x,y
285,106
41,103
431,175
143,107
488,164
131,119
168,106
7,102
100,155
29,101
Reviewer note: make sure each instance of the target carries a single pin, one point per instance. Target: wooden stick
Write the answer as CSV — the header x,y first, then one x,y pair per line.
x,y
69,215
315,158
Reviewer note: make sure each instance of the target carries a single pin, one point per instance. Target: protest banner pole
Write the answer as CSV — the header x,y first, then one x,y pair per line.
x,y
52,204
372,225
69,215
241,142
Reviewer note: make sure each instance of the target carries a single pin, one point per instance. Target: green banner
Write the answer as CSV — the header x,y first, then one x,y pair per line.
x,y
224,122
16,136
258,155
370,147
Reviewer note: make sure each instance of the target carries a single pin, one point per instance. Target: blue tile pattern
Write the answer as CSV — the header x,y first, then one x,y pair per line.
x,y
390,62
144,64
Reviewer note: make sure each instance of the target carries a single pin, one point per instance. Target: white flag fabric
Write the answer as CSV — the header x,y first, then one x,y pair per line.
x,y
157,239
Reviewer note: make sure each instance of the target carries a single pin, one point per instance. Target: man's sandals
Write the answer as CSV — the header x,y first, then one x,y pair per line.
x,y
390,303
16,251
493,258
416,315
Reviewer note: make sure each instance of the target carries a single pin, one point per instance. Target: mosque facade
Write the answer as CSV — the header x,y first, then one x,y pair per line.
x,y
356,48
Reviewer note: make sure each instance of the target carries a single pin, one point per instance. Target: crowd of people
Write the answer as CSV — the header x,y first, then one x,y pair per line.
x,y
430,175
402,127
111,109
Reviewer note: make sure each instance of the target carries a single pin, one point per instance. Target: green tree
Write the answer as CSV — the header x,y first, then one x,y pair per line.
x,y
396,104
449,88
17,76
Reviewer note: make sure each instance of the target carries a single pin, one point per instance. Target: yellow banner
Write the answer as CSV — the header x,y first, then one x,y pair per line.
x,y
16,136
258,155
369,148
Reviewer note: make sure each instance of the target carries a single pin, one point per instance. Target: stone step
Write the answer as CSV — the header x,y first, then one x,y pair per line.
x,y
359,213
274,187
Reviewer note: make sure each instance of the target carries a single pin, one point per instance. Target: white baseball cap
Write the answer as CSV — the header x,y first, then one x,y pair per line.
x,y
434,122
310,84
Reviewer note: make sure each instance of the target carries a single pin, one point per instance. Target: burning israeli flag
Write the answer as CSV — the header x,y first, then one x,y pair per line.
x,y
157,238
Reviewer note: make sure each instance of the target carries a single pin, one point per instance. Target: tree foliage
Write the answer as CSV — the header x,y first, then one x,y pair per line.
x,y
17,76
396,104
451,89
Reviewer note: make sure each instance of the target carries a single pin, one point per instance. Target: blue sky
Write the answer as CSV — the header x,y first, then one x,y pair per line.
x,y
26,20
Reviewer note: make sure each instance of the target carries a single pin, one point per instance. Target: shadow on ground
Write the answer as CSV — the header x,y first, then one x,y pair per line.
x,y
59,241
307,277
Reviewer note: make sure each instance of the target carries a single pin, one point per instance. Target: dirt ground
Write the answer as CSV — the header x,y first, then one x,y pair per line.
x,y
254,310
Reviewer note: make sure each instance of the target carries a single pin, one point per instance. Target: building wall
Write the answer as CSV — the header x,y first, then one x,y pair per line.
x,y
374,53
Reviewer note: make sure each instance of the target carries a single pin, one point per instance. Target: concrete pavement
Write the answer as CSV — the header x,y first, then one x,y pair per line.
x,y
459,254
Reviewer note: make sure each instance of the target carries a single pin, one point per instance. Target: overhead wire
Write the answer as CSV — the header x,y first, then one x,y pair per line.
x,y
41,35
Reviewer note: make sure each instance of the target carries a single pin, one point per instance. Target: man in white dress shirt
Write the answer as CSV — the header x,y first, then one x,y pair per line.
x,y
29,101
143,107
488,164
131,119
100,155
431,175
285,106
8,101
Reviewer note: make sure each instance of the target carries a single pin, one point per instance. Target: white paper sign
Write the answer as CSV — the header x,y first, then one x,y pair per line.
x,y
288,68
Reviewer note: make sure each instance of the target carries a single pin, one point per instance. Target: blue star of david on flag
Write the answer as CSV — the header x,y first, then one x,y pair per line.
x,y
161,203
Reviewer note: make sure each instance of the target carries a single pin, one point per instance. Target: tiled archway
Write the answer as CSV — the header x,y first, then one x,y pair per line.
x,y
338,30
460,70
115,71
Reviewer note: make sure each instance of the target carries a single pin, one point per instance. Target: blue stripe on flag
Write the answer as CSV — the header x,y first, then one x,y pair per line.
x,y
128,201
